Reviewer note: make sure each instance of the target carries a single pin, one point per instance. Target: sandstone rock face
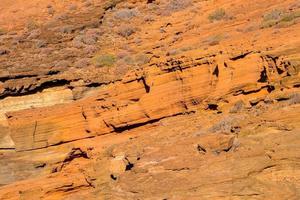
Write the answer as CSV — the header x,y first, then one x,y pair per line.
x,y
165,89
46,98
149,100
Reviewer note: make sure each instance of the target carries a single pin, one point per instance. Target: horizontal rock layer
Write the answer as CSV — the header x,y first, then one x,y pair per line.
x,y
164,89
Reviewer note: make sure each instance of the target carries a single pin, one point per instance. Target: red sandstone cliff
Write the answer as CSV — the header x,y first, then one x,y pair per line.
x,y
149,99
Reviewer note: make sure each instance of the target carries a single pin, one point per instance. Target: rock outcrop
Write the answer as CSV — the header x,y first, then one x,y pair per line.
x,y
164,89
149,99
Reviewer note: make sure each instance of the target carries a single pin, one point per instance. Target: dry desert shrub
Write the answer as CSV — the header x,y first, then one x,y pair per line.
x,y
214,39
279,18
141,59
237,107
294,99
177,5
32,25
67,29
82,63
121,68
149,18
126,14
126,30
217,15
108,60
62,64
50,10
88,38
172,6
228,124
173,52
41,43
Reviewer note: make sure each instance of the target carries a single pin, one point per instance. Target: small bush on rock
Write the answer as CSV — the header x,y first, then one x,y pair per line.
x,y
294,99
238,106
279,18
217,15
126,14
177,5
228,124
126,30
141,59
104,60
81,63
214,40
32,25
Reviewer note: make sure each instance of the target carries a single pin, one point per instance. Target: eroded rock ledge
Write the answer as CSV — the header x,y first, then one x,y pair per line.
x,y
163,89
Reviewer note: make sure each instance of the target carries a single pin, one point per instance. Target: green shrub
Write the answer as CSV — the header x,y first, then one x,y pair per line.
x,y
217,15
279,19
104,60
273,15
268,24
290,16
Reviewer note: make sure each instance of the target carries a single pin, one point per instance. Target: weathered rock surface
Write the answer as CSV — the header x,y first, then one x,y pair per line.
x,y
166,89
149,99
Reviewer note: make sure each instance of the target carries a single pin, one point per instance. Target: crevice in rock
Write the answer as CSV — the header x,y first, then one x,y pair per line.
x,y
6,78
212,106
146,86
129,165
129,127
282,99
76,153
73,154
57,144
34,131
261,170
201,149
41,165
247,92
53,72
179,169
67,188
241,56
89,182
83,114
7,149
94,85
296,85
65,142
263,76
216,71
113,177
225,64
27,91
270,88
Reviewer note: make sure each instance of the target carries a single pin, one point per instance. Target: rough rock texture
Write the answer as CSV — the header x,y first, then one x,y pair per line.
x,y
149,99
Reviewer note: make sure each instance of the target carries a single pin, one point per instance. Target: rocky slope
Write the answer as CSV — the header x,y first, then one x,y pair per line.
x,y
149,99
